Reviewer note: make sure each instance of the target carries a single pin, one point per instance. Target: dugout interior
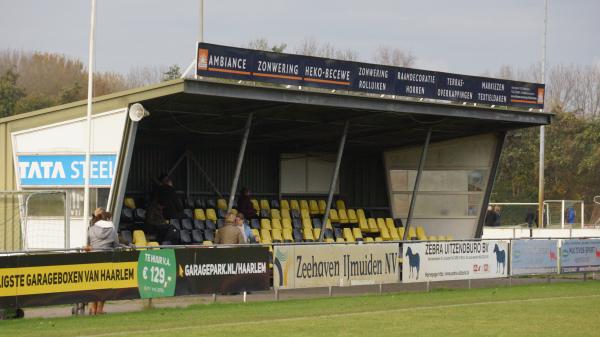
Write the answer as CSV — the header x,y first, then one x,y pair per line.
x,y
293,144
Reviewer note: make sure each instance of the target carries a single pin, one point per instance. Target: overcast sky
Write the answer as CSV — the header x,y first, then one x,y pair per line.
x,y
461,36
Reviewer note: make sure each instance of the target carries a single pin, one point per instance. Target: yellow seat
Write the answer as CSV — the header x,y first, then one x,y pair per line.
x,y
357,234
307,234
333,215
276,224
322,206
449,238
328,224
363,225
256,234
369,239
304,214
394,234
284,204
412,234
275,214
339,240
421,233
329,240
129,203
199,214
276,235
139,238
265,224
294,204
222,204
360,214
352,218
287,235
380,223
378,239
389,222
304,204
317,233
313,207
401,233
264,204
348,235
265,236
385,234
306,222
285,213
286,223
207,243
255,205
340,204
432,238
153,244
343,216
372,225
211,214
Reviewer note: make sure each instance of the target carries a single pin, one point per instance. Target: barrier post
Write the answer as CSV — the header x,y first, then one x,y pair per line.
x,y
214,297
276,294
245,293
330,291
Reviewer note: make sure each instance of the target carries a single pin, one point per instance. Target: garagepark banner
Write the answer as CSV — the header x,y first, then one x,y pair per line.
x,y
269,67
454,260
48,279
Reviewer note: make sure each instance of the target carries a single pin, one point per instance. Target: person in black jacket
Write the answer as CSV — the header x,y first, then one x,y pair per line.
x,y
244,204
166,195
490,217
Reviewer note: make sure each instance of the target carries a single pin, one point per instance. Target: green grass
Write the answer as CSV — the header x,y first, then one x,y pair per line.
x,y
563,309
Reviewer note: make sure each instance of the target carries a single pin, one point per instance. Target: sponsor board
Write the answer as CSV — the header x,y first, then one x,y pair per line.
x,y
262,66
334,265
454,260
533,257
579,256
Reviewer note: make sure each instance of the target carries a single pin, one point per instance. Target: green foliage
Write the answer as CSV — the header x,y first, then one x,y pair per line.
x,y
172,73
9,93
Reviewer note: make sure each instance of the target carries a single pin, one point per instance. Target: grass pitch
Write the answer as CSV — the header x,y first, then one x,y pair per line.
x,y
564,309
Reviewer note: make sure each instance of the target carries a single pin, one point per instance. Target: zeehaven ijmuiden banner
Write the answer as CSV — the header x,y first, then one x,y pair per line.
x,y
261,66
47,279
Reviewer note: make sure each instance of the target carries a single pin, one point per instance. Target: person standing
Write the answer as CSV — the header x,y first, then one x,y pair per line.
x,y
101,236
167,196
230,234
244,204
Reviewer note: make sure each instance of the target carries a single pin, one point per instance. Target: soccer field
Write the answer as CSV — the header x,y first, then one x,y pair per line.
x,y
565,309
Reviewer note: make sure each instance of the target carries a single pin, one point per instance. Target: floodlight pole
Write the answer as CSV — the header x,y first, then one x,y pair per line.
x,y
542,128
413,198
334,179
240,160
88,124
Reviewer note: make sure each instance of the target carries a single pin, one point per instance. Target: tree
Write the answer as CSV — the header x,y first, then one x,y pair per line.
x,y
10,94
393,57
263,44
311,47
172,73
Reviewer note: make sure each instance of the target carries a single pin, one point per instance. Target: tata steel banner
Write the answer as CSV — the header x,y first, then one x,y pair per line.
x,y
65,170
534,257
261,66
454,260
37,280
579,256
334,265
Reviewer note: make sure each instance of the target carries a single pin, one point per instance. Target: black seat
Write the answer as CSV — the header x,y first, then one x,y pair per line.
x,y
186,224
337,233
127,214
210,225
188,203
265,214
297,234
316,222
185,237
274,203
295,213
126,237
199,224
210,203
221,213
175,223
197,236
209,235
328,233
220,223
255,223
200,203
139,214
188,213
296,223
398,223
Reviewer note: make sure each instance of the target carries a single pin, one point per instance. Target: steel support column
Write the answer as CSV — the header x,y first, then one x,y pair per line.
x,y
334,179
240,160
413,198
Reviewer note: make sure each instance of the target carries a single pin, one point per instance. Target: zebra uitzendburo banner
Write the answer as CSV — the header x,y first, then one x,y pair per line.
x,y
262,66
48,279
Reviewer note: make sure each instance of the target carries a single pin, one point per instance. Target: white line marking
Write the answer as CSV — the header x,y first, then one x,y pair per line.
x,y
375,312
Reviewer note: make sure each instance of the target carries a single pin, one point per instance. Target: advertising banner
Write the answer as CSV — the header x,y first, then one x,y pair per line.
x,y
48,279
253,65
65,170
579,256
454,260
533,257
334,265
